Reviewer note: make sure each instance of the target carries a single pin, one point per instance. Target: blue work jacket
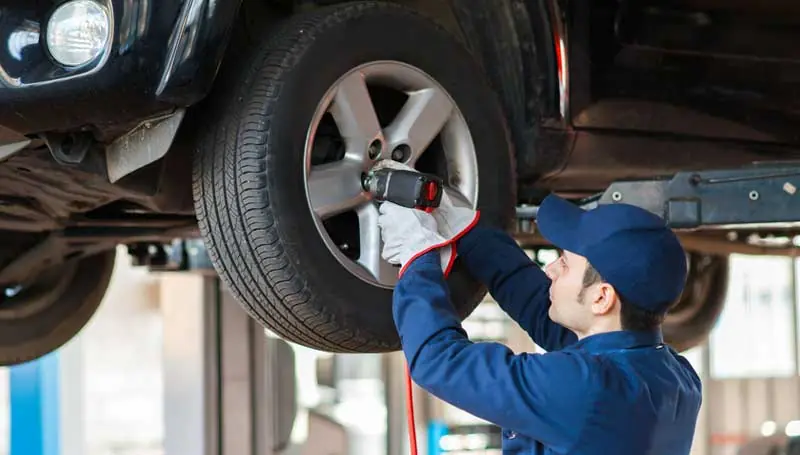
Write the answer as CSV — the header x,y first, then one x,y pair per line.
x,y
615,393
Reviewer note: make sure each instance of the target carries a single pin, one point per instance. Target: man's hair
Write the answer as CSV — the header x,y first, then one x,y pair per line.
x,y
632,317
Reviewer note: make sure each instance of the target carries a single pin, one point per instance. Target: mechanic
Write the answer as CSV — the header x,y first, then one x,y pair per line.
x,y
607,384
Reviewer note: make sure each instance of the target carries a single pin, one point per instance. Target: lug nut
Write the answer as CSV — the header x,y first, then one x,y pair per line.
x,y
401,152
365,181
375,149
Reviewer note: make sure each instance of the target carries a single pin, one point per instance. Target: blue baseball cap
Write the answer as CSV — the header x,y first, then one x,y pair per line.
x,y
632,249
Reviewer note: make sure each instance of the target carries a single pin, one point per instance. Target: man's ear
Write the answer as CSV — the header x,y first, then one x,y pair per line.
x,y
604,299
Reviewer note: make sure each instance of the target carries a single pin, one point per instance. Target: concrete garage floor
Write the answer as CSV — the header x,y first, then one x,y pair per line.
x,y
113,386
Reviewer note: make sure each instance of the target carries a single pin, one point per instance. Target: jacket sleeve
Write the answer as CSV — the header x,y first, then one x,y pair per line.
x,y
518,284
542,396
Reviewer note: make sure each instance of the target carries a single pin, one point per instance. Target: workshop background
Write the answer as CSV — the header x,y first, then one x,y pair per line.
x,y
104,392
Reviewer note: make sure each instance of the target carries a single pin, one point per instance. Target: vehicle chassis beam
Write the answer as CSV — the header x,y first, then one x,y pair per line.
x,y
760,196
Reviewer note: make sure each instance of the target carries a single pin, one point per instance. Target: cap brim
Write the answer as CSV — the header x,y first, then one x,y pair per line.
x,y
559,223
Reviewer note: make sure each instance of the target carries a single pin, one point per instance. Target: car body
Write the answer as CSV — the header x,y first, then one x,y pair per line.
x,y
101,154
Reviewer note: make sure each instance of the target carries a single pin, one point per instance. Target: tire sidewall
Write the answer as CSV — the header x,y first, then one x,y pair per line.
x,y
330,53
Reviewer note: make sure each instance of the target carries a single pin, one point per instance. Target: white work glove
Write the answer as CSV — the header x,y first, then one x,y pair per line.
x,y
392,164
409,233
454,216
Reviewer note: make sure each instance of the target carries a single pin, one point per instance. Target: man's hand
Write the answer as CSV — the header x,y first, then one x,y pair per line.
x,y
454,216
409,233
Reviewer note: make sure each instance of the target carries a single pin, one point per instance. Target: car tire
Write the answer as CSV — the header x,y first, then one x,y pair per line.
x,y
44,314
690,321
259,215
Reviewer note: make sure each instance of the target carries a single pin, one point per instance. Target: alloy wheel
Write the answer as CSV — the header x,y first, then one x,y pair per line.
x,y
377,111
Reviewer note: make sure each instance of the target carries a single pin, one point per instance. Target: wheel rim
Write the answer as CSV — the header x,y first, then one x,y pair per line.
x,y
380,110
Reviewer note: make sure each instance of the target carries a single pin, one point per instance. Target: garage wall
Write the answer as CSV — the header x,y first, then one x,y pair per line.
x,y
121,353
753,387
744,407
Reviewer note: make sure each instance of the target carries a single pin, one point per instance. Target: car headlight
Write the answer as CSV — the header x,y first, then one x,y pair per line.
x,y
77,32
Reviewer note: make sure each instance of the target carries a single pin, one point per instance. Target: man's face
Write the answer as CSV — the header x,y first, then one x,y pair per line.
x,y
566,307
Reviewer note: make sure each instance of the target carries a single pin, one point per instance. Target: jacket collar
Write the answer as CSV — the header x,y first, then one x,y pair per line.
x,y
623,339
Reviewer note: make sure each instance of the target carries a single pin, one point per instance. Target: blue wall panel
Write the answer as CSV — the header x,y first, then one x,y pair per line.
x,y
436,430
35,411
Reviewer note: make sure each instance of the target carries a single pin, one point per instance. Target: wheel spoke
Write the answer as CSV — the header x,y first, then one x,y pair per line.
x,y
335,188
355,116
372,245
420,121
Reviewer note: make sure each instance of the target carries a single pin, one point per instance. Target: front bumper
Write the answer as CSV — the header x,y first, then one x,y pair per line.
x,y
163,54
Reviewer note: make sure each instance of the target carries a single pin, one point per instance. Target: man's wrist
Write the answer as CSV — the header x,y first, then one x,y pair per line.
x,y
469,240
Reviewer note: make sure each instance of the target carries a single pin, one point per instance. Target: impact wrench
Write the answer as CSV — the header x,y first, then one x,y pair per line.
x,y
413,190
409,189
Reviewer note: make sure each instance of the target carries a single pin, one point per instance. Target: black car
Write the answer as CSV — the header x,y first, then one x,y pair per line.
x,y
249,123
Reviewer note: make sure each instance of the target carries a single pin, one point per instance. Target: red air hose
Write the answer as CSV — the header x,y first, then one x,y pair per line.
x,y
412,431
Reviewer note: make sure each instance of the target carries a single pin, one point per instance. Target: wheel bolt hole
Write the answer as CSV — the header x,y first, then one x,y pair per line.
x,y
375,149
401,152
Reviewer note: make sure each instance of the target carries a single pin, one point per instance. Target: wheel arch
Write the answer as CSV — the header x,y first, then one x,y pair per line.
x,y
513,41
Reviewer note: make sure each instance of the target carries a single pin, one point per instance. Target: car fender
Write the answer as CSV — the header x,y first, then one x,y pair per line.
x,y
196,47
